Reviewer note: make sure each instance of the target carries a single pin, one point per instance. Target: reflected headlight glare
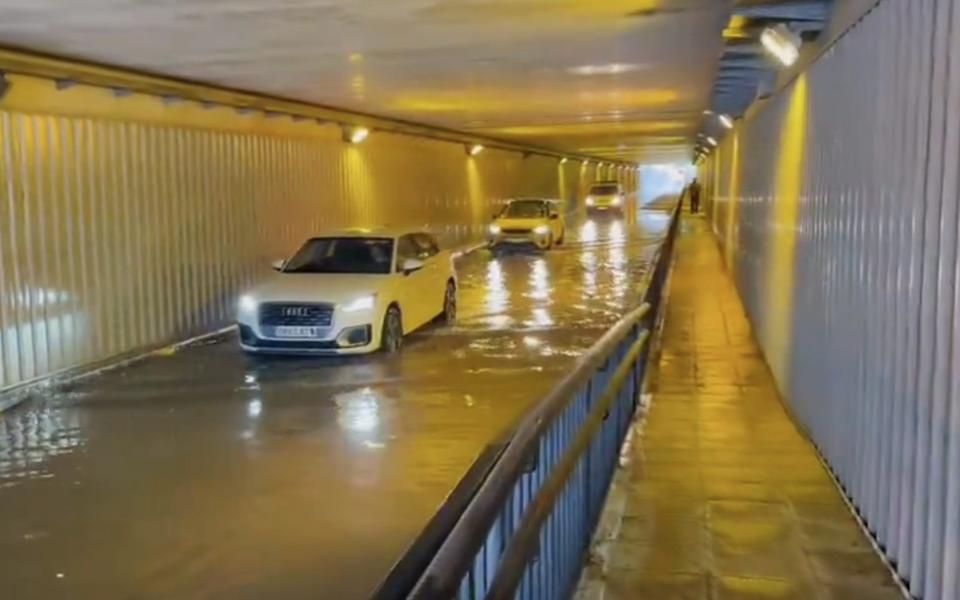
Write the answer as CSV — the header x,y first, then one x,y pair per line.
x,y
494,229
247,304
589,200
541,230
361,303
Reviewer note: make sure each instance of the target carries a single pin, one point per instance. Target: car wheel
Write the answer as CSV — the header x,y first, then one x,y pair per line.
x,y
449,315
391,338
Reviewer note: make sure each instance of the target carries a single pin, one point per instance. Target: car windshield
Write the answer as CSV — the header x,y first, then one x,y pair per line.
x,y
343,255
604,189
525,209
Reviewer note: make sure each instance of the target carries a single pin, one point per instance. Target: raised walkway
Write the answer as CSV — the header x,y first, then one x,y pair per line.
x,y
721,497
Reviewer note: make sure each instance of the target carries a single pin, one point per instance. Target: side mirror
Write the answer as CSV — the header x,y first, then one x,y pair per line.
x,y
278,264
410,265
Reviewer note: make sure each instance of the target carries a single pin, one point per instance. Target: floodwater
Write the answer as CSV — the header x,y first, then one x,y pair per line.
x,y
206,473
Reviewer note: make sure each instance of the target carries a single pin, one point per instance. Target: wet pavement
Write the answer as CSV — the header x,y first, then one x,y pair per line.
x,y
204,473
720,497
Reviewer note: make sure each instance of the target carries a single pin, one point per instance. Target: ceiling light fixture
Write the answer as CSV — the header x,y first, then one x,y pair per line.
x,y
474,149
726,121
608,69
563,160
711,140
782,43
355,135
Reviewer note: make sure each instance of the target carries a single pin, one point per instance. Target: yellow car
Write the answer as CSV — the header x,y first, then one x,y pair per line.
x,y
605,195
527,221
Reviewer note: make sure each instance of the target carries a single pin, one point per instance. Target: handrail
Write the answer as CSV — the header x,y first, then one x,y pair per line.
x,y
443,575
513,535
525,538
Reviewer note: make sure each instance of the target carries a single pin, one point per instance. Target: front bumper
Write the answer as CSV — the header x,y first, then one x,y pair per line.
x,y
596,207
349,340
605,203
519,239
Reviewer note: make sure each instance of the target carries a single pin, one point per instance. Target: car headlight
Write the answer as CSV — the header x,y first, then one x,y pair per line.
x,y
617,200
494,229
589,200
247,304
361,303
541,230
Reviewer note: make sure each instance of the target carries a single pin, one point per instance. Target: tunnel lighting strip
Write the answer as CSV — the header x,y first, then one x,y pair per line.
x,y
66,74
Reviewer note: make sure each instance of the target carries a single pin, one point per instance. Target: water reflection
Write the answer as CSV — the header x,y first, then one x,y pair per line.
x,y
29,438
497,297
588,261
540,317
617,234
358,412
539,280
618,261
589,232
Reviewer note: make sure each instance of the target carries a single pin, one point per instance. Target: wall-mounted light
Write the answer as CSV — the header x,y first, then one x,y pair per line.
x,y
782,44
474,149
726,121
355,135
563,160
711,140
586,163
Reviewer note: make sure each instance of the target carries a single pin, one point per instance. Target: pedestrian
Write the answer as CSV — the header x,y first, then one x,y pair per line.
x,y
694,191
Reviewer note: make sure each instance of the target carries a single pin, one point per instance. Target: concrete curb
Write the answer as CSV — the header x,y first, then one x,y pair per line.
x,y
26,391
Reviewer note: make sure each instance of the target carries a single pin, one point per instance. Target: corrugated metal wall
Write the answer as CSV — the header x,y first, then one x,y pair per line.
x,y
837,207
127,222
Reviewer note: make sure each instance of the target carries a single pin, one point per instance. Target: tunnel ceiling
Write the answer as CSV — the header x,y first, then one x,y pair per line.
x,y
621,79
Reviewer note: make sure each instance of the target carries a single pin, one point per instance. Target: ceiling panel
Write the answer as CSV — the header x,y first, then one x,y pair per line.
x,y
610,76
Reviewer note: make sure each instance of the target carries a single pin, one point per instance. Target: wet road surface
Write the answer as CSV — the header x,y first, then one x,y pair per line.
x,y
209,474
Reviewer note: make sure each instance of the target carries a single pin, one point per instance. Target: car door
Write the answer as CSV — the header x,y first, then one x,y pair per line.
x,y
411,286
434,270
556,222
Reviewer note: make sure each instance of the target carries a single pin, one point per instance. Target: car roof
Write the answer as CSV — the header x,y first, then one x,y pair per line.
x,y
547,200
370,232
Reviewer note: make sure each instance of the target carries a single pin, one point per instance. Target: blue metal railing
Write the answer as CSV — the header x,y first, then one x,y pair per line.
x,y
522,526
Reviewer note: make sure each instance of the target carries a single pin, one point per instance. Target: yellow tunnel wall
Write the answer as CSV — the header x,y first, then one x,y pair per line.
x,y
128,222
836,206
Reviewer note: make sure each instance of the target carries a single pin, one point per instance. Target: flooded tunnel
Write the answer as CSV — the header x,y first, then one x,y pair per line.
x,y
643,299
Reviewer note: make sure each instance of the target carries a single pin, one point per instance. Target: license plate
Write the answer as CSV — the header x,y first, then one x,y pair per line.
x,y
287,331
